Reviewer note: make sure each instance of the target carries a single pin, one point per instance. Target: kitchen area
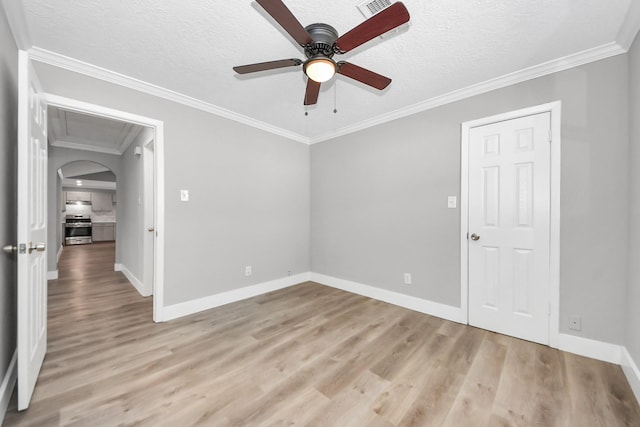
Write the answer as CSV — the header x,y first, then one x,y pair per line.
x,y
88,216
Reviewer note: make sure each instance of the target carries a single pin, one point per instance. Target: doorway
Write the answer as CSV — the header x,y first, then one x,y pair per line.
x,y
136,199
87,197
510,178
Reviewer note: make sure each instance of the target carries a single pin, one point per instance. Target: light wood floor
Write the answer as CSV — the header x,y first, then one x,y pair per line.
x,y
307,355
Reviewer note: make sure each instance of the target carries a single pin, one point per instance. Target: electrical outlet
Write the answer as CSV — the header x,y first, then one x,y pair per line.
x,y
248,271
407,278
575,323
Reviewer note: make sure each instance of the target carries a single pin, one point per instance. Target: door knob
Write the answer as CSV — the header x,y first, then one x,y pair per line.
x,y
151,229
474,236
40,247
9,249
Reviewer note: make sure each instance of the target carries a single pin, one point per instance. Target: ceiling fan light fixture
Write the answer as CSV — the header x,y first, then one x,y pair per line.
x,y
320,68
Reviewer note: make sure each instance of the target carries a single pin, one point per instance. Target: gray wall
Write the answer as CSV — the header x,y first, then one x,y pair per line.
x,y
379,196
633,299
8,195
130,218
249,192
60,156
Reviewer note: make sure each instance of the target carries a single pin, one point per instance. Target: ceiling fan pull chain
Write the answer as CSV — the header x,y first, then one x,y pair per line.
x,y
335,97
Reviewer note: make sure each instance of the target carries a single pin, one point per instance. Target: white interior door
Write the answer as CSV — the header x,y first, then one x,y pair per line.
x,y
509,227
32,230
149,232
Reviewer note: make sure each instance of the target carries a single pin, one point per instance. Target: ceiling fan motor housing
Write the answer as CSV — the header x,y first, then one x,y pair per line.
x,y
324,37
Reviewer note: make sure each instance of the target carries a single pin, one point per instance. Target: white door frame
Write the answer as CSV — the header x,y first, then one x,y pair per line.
x,y
158,126
554,281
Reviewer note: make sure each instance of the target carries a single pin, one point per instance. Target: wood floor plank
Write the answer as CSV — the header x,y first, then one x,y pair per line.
x,y
480,386
307,355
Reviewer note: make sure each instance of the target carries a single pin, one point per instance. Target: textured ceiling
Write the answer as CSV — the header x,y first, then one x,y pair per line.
x,y
191,47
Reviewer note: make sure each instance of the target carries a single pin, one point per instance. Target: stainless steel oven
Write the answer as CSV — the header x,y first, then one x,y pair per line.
x,y
77,230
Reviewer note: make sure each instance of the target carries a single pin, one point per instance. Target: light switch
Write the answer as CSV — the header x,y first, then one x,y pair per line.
x,y
452,202
184,195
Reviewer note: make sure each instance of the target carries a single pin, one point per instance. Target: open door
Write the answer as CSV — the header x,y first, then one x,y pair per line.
x,y
148,217
32,230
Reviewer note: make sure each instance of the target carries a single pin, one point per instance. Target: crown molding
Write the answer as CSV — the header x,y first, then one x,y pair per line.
x,y
590,55
85,147
128,135
18,23
58,136
51,58
630,27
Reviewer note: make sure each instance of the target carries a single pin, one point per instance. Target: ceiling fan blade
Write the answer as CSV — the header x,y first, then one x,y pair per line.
x,y
264,66
363,75
311,95
287,21
390,18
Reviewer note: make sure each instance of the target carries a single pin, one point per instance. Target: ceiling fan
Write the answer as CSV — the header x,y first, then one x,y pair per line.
x,y
321,42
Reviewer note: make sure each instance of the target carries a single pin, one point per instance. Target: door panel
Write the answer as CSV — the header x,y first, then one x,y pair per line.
x,y
32,230
509,209
491,277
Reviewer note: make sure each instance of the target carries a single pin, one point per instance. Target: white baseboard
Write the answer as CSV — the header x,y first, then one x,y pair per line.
x,y
194,306
53,275
132,279
631,371
443,311
599,350
8,383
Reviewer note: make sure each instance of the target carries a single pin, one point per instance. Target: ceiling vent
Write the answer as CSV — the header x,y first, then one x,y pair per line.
x,y
372,7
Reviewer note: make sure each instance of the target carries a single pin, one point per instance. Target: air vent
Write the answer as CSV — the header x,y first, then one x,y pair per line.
x,y
371,7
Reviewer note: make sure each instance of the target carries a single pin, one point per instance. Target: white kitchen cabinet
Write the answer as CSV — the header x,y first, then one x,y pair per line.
x,y
72,196
103,231
101,202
